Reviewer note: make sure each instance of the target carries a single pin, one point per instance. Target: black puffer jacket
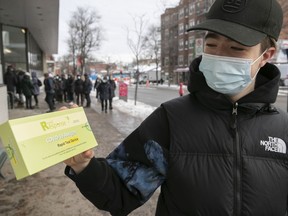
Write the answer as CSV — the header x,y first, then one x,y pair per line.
x,y
227,159
215,157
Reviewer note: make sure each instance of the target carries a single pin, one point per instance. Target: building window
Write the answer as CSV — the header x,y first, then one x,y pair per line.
x,y
166,20
166,34
186,44
166,61
181,44
191,23
35,58
180,60
191,42
14,47
181,28
175,17
181,13
191,8
186,28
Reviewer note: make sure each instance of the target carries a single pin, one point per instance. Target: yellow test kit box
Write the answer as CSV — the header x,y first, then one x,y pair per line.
x,y
37,142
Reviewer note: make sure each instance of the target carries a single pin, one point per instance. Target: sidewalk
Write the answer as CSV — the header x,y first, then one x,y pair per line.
x,y
103,125
50,192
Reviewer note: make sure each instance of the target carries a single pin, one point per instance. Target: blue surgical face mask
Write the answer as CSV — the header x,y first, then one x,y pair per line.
x,y
227,75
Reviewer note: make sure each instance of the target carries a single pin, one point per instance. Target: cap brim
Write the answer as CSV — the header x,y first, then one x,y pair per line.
x,y
234,31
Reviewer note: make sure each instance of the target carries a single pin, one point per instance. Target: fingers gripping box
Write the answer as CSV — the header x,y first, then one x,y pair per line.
x,y
37,142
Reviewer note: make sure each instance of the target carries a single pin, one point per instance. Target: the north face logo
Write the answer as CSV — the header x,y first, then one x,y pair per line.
x,y
274,144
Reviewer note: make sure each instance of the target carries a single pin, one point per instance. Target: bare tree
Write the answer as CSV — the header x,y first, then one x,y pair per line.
x,y
72,48
64,63
85,35
136,43
152,45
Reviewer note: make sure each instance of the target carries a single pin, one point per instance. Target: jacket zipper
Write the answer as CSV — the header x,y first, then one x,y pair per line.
x,y
236,163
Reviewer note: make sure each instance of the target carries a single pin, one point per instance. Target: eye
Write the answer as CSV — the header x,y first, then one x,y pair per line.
x,y
210,45
237,48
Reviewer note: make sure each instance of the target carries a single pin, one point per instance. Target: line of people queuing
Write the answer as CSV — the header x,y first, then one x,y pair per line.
x,y
72,89
21,87
105,91
77,90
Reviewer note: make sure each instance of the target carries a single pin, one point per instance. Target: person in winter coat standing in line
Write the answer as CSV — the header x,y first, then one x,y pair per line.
x,y
20,75
10,80
96,84
27,89
87,87
58,88
111,91
104,88
36,90
50,91
64,87
70,88
78,88
219,150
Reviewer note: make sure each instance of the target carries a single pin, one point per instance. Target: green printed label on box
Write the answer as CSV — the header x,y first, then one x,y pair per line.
x,y
38,142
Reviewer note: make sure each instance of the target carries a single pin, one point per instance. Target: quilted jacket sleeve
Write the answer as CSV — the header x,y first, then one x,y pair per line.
x,y
132,172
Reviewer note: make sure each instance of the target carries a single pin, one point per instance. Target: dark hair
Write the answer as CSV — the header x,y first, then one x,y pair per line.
x,y
267,42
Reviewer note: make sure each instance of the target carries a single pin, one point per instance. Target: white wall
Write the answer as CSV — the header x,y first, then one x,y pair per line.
x,y
3,104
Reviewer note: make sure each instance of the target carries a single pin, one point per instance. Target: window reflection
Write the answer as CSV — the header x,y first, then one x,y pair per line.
x,y
34,56
14,47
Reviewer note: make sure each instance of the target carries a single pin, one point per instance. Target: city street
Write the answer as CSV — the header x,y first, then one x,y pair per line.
x,y
154,95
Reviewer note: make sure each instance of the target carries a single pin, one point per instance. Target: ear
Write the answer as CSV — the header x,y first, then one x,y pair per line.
x,y
267,55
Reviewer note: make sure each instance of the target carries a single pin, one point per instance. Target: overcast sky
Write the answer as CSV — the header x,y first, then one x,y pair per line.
x,y
116,17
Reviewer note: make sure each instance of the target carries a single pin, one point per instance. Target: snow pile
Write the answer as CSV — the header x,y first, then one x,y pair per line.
x,y
140,110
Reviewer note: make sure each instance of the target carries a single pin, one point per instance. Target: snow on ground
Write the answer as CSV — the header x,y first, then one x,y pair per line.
x,y
140,110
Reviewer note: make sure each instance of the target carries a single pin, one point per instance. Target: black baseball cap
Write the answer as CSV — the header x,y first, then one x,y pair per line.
x,y
244,21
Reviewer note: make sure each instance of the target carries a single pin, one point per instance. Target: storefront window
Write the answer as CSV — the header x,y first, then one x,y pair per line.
x,y
35,58
14,47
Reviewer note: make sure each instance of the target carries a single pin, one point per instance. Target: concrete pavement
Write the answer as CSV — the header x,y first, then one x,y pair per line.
x,y
50,192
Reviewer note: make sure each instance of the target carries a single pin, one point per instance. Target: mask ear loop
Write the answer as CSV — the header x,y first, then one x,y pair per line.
x,y
256,61
258,57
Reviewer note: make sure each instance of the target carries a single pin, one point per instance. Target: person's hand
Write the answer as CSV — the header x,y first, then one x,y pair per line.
x,y
72,105
79,162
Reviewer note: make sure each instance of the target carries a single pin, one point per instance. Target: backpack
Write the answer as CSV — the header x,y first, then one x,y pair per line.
x,y
39,83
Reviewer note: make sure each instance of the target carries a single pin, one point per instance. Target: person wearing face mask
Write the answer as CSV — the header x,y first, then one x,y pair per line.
x,y
78,89
104,89
219,150
112,87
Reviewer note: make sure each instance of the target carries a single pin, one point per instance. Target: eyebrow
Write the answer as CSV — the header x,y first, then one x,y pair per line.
x,y
217,36
211,35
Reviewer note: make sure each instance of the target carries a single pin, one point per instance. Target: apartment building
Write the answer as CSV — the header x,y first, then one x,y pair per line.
x,y
179,47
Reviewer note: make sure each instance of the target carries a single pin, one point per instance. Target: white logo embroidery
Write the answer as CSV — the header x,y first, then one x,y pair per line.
x,y
274,144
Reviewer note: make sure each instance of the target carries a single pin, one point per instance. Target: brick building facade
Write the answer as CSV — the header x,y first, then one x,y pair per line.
x,y
179,47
